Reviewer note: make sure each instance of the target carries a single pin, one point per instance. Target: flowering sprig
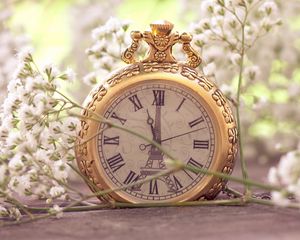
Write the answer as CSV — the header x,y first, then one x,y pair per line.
x,y
110,40
287,176
229,30
9,44
36,134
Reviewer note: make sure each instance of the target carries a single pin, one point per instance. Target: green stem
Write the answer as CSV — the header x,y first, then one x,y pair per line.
x,y
232,191
140,205
232,178
240,79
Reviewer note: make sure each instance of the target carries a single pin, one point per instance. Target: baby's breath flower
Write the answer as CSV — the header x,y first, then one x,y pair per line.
x,y
252,72
37,136
10,45
209,69
56,191
14,213
110,40
268,7
287,176
25,55
3,212
57,210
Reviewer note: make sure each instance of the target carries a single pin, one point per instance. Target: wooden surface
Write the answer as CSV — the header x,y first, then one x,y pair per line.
x,y
214,222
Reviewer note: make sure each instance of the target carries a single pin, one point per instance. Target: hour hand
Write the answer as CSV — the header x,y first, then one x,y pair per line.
x,y
150,122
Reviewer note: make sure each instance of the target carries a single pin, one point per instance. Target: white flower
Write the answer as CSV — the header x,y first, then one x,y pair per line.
x,y
71,75
226,89
289,168
3,171
20,184
207,6
15,213
201,39
25,55
60,170
14,138
252,72
56,191
204,24
287,176
3,212
51,70
235,58
209,69
110,40
279,199
268,7
90,79
57,210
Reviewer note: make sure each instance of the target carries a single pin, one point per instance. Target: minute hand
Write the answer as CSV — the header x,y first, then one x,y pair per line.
x,y
182,134
144,146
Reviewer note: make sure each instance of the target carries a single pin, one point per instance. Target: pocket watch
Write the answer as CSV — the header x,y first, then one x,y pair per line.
x,y
172,104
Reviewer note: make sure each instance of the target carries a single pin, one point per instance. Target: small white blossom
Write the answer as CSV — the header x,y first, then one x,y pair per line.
x,y
15,213
279,199
209,69
208,6
252,72
20,184
25,55
268,7
235,59
57,210
3,212
56,191
110,40
3,171
287,176
37,136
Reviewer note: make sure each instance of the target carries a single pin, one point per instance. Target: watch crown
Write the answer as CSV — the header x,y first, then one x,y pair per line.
x,y
161,27
160,41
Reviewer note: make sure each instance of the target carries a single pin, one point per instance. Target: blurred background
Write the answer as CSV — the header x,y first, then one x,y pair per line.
x,y
60,32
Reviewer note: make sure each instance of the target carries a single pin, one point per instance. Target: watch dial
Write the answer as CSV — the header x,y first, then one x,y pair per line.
x,y
169,114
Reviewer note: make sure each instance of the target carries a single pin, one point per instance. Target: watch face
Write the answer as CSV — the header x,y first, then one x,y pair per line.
x,y
168,113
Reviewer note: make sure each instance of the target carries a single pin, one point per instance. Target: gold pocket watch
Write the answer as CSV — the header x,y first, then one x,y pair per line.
x,y
164,100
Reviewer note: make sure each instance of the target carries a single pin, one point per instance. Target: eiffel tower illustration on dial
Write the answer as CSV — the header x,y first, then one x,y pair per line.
x,y
155,162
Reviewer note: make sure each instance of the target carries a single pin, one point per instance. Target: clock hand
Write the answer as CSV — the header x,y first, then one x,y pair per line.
x,y
157,124
144,146
150,122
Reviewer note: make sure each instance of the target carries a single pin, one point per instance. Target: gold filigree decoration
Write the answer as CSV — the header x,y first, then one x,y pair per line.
x,y
164,67
193,75
228,168
128,55
160,41
160,56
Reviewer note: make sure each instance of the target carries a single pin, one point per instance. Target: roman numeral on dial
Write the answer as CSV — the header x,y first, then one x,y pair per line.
x,y
201,144
177,183
136,102
116,162
115,116
180,104
192,163
159,98
111,140
131,177
153,187
196,122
